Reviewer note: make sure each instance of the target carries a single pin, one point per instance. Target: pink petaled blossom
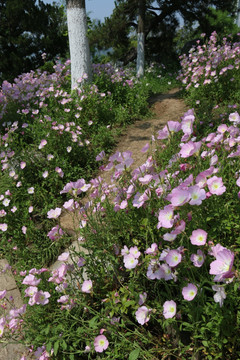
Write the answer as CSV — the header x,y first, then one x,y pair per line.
x,y
130,262
24,230
100,156
3,294
197,195
30,291
173,258
222,266
220,294
30,190
142,315
167,272
198,259
234,117
101,343
198,237
1,330
189,292
142,298
54,213
169,237
125,251
145,148
69,205
169,309
179,197
31,280
163,134
152,250
215,185
42,144
3,227
174,126
189,148
135,252
154,270
187,123
45,174
222,128
41,297
22,164
165,217
87,286
59,171
145,179
55,233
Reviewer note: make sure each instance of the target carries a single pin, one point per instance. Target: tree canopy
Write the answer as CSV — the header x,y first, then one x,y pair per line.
x,y
28,29
162,20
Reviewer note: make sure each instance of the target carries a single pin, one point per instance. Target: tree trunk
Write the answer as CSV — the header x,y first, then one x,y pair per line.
x,y
78,42
140,39
238,13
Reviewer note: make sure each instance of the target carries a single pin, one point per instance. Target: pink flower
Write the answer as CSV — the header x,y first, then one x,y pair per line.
x,y
101,343
31,280
216,186
142,315
189,149
3,227
169,309
179,196
142,298
152,250
198,237
42,144
165,217
189,292
198,259
135,252
197,195
222,266
220,294
130,262
187,123
22,164
234,117
87,286
54,213
3,294
173,258
100,156
41,297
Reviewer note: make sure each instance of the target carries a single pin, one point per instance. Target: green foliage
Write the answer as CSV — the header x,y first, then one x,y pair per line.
x,y
30,29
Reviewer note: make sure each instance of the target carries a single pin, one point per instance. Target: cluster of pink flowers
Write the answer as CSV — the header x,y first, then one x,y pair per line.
x,y
205,64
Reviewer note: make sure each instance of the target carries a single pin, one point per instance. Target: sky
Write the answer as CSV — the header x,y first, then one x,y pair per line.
x,y
96,9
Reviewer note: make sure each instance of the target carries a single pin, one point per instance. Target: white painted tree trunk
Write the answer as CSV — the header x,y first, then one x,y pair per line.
x,y
140,54
238,14
78,42
140,38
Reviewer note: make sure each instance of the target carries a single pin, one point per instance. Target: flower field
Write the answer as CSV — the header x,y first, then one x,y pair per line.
x,y
158,273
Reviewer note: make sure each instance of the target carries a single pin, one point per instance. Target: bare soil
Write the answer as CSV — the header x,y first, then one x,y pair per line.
x,y
165,107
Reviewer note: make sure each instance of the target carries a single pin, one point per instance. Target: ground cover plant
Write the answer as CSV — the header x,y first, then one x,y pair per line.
x,y
50,136
158,273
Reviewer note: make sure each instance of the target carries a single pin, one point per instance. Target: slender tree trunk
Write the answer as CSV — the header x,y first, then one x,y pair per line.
x,y
78,42
140,39
238,13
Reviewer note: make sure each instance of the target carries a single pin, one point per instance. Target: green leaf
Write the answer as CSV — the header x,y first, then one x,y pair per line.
x,y
56,347
134,354
205,343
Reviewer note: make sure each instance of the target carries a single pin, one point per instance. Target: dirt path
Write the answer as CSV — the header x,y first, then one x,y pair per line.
x,y
165,107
